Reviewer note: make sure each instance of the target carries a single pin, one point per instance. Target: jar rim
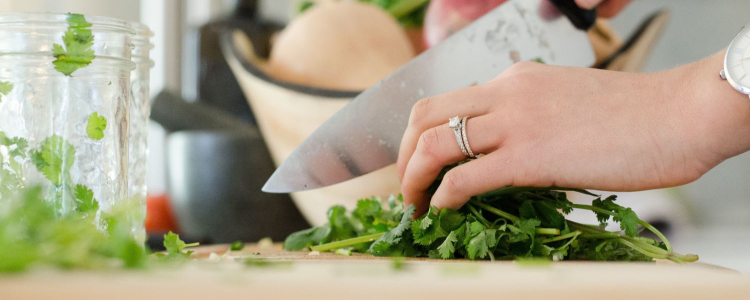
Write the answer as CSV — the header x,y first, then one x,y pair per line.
x,y
46,19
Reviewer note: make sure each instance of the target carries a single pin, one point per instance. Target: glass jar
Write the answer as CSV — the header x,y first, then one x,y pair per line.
x,y
140,111
65,109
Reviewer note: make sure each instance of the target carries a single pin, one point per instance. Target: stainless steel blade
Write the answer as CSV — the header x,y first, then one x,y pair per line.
x,y
365,135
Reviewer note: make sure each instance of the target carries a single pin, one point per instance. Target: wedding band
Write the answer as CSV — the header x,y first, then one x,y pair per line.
x,y
468,152
455,124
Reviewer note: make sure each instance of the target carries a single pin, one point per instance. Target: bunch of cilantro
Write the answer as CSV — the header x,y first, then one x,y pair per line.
x,y
506,224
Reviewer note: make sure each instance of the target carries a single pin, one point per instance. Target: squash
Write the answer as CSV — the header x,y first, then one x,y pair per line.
x,y
340,45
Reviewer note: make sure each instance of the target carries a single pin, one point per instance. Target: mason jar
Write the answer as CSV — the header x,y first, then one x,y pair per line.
x,y
65,108
140,111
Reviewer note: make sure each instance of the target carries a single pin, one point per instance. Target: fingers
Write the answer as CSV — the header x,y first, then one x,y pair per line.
x,y
434,111
476,177
437,148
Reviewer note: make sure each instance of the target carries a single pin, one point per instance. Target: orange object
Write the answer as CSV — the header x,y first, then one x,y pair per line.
x,y
159,215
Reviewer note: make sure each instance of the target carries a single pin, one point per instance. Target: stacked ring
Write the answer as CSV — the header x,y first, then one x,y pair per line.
x,y
468,152
456,125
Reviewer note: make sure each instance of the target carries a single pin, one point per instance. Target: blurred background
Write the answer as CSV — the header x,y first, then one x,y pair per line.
x,y
208,158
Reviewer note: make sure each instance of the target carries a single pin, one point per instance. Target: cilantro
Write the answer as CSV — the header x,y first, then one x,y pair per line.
x,y
5,88
86,197
306,238
509,223
54,158
237,246
448,247
175,246
344,251
31,233
95,126
77,52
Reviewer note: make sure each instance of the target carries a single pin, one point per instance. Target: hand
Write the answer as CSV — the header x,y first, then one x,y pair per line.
x,y
606,8
541,126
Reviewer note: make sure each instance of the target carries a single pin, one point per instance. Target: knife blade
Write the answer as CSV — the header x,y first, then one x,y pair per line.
x,y
366,134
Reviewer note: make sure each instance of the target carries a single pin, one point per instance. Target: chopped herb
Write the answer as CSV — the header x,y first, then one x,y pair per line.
x,y
344,251
175,247
76,52
237,246
54,158
5,88
85,196
95,126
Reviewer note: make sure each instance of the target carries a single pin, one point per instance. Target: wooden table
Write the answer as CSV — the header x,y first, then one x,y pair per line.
x,y
299,275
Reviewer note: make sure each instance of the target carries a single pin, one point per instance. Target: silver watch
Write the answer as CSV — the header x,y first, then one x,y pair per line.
x,y
737,62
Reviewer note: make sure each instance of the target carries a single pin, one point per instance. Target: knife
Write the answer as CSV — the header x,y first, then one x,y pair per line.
x,y
366,134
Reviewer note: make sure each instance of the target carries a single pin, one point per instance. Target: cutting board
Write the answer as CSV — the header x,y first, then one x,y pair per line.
x,y
299,275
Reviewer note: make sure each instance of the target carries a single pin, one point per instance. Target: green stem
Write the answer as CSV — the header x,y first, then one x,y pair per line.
x,y
347,243
561,237
571,240
496,211
640,222
479,216
641,250
192,245
548,231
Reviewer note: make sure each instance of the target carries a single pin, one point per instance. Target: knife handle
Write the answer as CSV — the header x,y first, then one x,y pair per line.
x,y
581,18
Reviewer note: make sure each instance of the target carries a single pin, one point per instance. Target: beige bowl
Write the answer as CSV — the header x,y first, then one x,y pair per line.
x,y
287,114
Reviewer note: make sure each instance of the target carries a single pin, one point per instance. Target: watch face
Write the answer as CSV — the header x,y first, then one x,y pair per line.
x,y
737,63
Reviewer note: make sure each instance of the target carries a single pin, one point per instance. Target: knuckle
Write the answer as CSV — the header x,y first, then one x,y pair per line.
x,y
419,112
454,182
428,144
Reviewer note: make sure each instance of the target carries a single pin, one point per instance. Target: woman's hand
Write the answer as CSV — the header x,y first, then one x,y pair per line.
x,y
606,8
541,126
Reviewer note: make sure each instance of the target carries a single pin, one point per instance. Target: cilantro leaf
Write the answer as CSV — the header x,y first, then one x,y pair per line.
x,y
95,126
76,52
5,88
447,248
388,242
481,243
54,158
306,238
85,196
341,227
628,221
548,215
175,246
527,211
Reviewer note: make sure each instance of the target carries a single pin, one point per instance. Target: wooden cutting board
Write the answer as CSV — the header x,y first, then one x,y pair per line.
x,y
298,275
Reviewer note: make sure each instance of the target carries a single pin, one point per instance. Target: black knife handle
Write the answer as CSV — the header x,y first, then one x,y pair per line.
x,y
581,18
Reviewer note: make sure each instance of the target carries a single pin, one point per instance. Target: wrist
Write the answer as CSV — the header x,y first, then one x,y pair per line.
x,y
720,115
